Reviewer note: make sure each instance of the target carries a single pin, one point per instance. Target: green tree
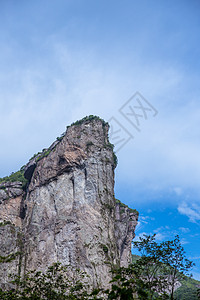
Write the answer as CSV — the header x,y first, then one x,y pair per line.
x,y
198,292
178,265
162,265
126,285
152,276
57,283
150,267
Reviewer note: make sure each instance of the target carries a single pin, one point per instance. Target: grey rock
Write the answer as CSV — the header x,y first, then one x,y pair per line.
x,y
70,213
10,190
10,211
10,252
3,195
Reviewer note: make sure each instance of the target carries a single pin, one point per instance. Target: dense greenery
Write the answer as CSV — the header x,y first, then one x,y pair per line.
x,y
38,156
161,265
55,284
17,176
188,289
148,277
88,118
123,206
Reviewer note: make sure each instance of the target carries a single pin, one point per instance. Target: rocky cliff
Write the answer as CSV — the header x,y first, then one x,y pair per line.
x,y
67,211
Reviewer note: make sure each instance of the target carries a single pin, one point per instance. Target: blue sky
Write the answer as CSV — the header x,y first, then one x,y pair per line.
x,y
62,60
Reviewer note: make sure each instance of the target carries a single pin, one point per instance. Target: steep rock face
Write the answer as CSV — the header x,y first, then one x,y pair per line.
x,y
10,202
10,251
125,223
71,215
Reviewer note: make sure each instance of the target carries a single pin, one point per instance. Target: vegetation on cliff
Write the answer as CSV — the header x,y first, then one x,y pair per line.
x,y
19,175
123,206
163,267
89,119
14,177
152,275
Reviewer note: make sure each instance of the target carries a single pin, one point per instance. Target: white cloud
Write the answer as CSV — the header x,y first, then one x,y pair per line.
x,y
192,211
160,236
184,229
184,241
167,233
143,220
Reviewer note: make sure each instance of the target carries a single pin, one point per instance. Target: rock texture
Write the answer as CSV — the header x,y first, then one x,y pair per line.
x,y
11,194
68,212
10,252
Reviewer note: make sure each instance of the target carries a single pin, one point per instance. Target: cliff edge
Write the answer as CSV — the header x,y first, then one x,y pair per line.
x,y
65,210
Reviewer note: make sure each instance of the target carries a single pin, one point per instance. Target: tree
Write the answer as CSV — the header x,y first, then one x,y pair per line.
x,y
150,267
57,283
152,276
174,257
198,292
162,265
126,285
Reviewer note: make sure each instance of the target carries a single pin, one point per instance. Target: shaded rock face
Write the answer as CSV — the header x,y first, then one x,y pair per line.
x,y
71,215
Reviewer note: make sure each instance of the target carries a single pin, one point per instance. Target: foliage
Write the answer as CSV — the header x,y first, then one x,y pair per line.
x,y
132,210
88,118
59,138
115,159
161,265
38,156
9,258
17,176
43,154
149,266
178,264
151,274
126,285
4,223
188,290
146,278
55,284
198,292
105,248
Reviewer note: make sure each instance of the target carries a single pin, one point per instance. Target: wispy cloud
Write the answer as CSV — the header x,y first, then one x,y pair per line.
x,y
163,233
194,257
192,211
184,229
143,220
